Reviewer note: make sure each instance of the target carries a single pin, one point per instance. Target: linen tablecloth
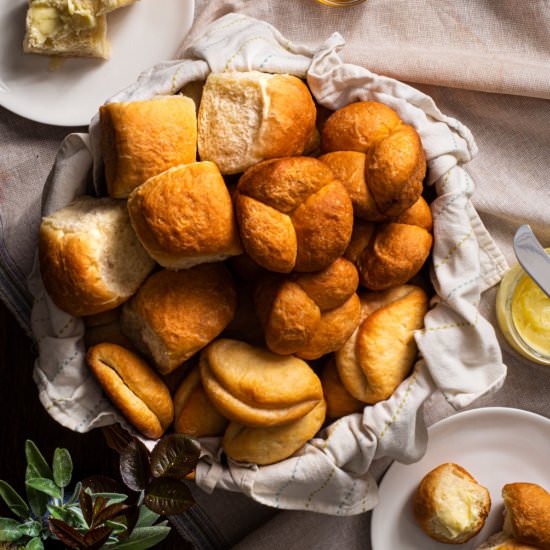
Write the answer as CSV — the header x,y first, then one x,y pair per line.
x,y
485,62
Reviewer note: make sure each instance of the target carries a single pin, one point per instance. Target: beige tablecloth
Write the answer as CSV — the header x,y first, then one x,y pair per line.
x,y
485,62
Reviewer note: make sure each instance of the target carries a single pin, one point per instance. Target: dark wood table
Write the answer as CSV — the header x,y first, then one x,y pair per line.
x,y
23,417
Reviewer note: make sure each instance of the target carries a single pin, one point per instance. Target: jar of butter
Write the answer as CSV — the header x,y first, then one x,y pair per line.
x,y
523,314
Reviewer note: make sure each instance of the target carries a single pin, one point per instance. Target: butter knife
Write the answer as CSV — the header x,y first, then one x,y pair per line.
x,y
532,257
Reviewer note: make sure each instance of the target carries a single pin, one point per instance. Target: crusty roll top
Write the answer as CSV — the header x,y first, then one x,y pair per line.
x,y
246,117
184,216
293,214
90,258
141,139
254,387
394,166
133,387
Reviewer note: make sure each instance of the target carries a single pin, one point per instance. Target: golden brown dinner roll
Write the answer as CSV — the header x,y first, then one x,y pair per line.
x,y
349,168
293,214
392,253
133,387
105,327
266,445
90,258
253,387
339,401
176,313
141,139
184,216
395,164
450,505
381,351
309,314
503,541
527,516
194,415
246,117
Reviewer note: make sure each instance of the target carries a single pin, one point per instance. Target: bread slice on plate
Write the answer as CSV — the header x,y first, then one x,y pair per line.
x,y
68,28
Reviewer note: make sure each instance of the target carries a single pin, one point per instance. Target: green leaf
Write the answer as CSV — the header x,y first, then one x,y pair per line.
x,y
143,538
10,530
62,467
36,499
134,465
69,516
146,517
168,496
76,493
13,500
31,528
118,527
175,455
35,544
37,460
66,534
44,485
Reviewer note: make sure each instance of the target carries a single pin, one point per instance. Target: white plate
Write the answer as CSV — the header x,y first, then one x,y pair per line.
x,y
141,35
496,445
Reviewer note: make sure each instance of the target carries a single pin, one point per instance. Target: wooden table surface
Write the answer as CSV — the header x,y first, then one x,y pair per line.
x,y
23,417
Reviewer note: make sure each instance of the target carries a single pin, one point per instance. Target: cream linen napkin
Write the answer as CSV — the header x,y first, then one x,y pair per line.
x,y
461,354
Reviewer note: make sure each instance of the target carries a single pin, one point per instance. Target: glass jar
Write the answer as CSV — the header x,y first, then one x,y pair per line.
x,y
523,314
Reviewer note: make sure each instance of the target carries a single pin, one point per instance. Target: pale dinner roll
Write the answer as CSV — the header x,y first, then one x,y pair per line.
x,y
194,415
133,387
381,351
141,139
293,214
395,164
246,117
450,505
176,313
503,541
392,253
90,258
253,387
339,401
184,216
267,445
309,314
527,516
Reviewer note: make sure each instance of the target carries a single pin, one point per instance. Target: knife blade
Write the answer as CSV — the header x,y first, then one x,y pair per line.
x,y
532,257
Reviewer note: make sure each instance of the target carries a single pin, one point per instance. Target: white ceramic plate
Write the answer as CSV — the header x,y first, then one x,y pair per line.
x,y
141,35
496,445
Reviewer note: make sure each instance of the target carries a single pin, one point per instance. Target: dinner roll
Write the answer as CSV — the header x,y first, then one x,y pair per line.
x,y
266,445
90,258
141,139
527,512
194,415
293,214
184,216
253,387
450,505
503,541
176,313
395,164
105,327
246,117
392,253
381,351
133,387
339,401
309,314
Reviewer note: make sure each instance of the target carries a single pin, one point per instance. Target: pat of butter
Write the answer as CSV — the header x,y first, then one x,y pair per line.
x,y
49,19
460,510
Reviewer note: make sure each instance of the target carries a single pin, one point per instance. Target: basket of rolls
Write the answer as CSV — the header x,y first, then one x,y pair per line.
x,y
274,252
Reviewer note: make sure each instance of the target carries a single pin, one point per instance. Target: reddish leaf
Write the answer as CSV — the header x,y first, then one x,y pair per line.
x,y
102,484
87,506
134,465
130,518
109,512
66,534
175,455
99,504
96,538
167,497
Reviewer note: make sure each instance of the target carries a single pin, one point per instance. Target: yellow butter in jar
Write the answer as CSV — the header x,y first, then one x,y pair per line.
x,y
523,313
